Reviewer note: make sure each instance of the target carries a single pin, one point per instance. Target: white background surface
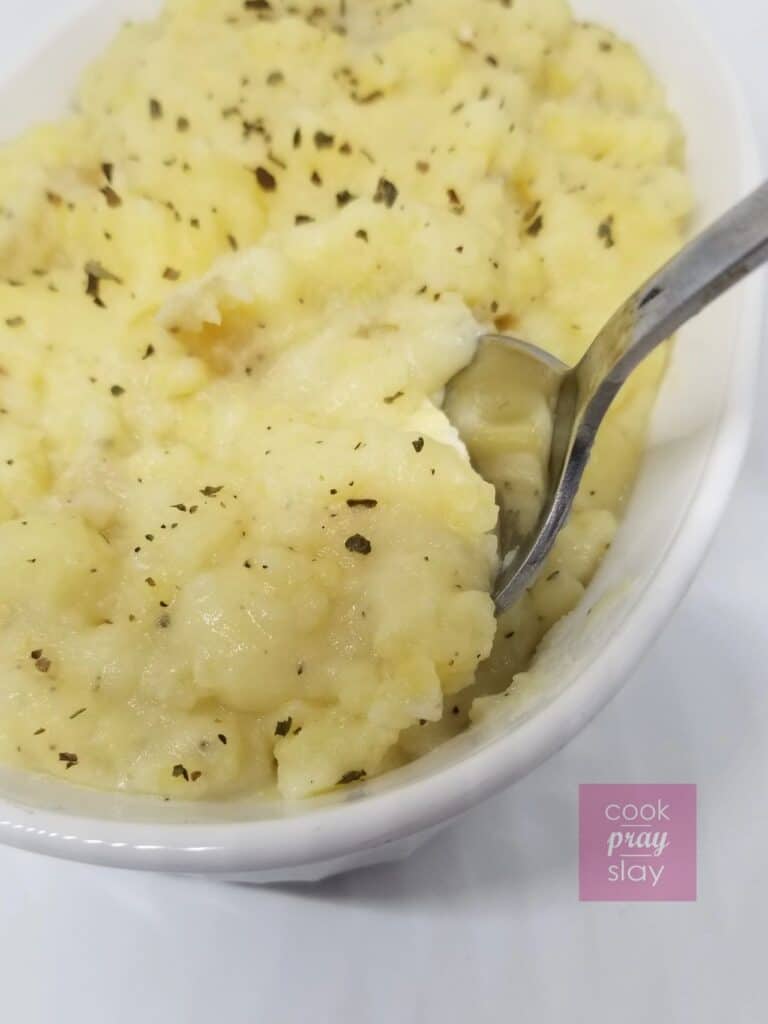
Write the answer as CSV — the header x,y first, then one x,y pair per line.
x,y
484,924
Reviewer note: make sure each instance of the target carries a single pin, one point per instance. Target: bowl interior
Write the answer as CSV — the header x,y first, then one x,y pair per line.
x,y
697,436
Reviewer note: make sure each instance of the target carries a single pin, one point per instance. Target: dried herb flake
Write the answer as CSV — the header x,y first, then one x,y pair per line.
x,y
323,140
96,273
453,198
358,545
386,192
605,232
113,199
266,179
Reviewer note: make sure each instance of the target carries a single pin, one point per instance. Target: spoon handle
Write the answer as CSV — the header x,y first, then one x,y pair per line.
x,y
726,252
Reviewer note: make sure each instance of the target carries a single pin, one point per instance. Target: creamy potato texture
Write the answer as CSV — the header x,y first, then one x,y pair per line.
x,y
240,541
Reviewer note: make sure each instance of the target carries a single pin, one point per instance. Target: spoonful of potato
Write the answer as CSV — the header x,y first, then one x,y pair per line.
x,y
581,395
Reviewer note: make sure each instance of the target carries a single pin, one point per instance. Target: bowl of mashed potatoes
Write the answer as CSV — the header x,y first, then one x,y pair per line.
x,y
247,523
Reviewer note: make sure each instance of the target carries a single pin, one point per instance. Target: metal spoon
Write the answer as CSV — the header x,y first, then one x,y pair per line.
x,y
725,253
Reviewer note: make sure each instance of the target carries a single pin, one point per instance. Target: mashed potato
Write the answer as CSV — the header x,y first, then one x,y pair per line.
x,y
240,543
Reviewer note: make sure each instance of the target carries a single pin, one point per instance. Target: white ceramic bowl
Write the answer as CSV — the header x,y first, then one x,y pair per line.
x,y
698,439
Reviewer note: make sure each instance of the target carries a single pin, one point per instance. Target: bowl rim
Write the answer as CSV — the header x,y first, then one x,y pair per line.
x,y
419,805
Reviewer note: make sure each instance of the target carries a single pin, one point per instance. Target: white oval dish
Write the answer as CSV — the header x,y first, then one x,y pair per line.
x,y
694,455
